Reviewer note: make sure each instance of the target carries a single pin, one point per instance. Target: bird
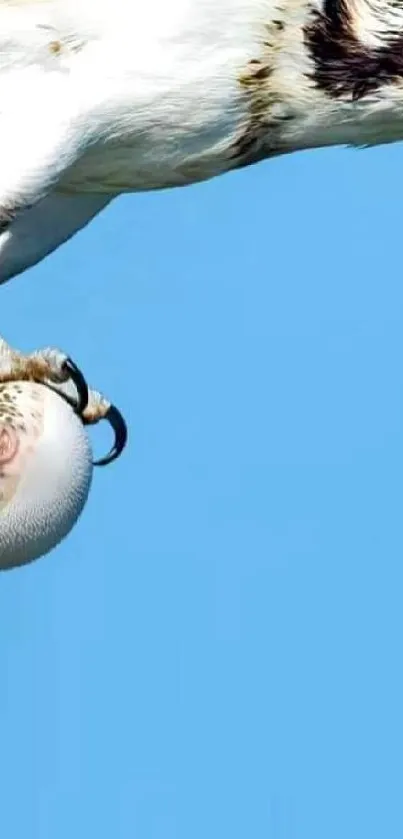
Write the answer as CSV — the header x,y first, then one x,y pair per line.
x,y
104,97
46,460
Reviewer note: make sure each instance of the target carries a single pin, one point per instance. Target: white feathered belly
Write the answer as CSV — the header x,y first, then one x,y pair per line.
x,y
153,93
119,167
166,105
172,136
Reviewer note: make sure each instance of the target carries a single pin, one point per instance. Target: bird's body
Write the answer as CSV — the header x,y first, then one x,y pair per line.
x,y
100,97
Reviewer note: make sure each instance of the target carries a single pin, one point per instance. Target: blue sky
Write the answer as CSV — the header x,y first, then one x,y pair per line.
x,y
215,651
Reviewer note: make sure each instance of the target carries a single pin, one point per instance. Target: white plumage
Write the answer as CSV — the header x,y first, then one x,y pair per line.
x,y
98,97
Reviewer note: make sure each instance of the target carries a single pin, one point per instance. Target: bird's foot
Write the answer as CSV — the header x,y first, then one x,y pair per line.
x,y
47,366
55,369
99,408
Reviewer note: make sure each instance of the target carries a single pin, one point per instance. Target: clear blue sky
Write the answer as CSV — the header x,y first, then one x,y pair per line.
x,y
216,649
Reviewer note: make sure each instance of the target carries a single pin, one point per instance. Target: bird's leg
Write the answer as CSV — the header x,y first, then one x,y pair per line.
x,y
47,366
43,364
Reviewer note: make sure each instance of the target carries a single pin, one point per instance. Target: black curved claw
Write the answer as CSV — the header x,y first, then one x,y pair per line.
x,y
82,388
120,428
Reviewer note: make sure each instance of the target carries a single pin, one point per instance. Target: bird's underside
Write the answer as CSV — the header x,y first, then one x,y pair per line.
x,y
100,97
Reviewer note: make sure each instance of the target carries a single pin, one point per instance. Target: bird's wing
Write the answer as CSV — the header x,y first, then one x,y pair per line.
x,y
39,230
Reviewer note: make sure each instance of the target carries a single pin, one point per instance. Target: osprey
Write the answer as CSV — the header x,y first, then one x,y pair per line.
x,y
100,97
